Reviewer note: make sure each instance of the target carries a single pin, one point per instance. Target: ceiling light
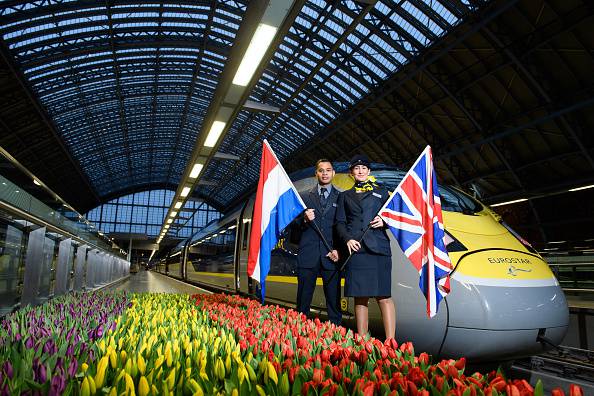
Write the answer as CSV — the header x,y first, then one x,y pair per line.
x,y
582,188
214,133
166,226
36,182
173,213
510,202
196,170
185,191
254,54
178,204
170,221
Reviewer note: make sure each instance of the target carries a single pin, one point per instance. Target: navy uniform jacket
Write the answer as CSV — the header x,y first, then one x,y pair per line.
x,y
311,246
353,214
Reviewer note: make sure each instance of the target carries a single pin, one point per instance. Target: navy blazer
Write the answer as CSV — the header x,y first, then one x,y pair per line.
x,y
311,246
355,211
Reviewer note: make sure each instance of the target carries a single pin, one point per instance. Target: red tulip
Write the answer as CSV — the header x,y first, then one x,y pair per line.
x,y
452,372
461,363
424,358
575,390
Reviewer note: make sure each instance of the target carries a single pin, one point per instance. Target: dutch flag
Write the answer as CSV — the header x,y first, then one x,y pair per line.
x,y
277,204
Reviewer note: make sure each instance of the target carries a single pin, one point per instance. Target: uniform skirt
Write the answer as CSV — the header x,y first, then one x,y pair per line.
x,y
368,275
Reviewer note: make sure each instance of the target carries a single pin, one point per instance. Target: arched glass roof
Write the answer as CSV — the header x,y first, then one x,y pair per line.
x,y
128,85
334,54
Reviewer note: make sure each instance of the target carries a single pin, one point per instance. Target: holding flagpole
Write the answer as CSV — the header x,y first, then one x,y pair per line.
x,y
277,204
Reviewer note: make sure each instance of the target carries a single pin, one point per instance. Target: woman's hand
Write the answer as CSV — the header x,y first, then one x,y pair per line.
x,y
353,246
377,222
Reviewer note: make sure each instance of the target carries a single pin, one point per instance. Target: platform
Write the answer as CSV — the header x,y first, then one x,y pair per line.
x,y
153,282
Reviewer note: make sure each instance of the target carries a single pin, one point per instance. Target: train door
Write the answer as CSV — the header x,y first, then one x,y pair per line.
x,y
246,284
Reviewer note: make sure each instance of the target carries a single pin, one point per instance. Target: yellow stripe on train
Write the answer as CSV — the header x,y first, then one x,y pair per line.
x,y
269,278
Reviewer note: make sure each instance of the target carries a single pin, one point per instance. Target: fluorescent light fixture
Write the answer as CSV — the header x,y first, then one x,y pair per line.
x,y
510,202
166,226
36,182
185,192
196,170
215,132
254,54
173,213
582,188
169,221
178,204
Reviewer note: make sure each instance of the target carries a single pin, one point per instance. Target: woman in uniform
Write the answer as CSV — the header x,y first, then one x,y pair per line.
x,y
369,270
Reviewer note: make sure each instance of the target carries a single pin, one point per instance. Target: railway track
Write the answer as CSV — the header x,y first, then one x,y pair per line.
x,y
558,368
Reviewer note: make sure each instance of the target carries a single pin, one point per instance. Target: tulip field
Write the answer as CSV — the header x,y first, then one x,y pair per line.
x,y
176,344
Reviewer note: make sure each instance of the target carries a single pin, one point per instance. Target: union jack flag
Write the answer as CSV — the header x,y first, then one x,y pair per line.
x,y
413,214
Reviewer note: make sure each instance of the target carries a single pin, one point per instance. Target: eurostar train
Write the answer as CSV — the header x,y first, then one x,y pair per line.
x,y
504,303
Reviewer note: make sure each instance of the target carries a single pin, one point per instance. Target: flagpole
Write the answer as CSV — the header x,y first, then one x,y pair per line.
x,y
317,228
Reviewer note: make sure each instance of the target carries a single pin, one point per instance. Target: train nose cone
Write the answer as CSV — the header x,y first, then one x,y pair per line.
x,y
501,304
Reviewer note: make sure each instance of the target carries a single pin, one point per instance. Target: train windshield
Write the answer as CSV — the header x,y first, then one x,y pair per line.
x,y
452,200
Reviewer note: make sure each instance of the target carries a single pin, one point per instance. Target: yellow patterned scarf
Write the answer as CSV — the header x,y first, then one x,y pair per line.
x,y
368,185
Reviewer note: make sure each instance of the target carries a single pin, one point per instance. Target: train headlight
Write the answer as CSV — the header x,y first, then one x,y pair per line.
x,y
452,244
524,242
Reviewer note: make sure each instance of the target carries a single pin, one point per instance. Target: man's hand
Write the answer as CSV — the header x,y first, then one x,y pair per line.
x,y
353,246
377,222
309,215
333,255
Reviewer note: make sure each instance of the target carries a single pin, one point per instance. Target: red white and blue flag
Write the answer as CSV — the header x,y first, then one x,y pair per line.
x,y
277,204
413,214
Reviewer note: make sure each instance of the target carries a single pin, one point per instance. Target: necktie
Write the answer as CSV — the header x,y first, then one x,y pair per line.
x,y
323,198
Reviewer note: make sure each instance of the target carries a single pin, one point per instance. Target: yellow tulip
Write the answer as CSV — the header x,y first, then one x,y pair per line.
x,y
141,364
113,359
171,379
241,373
196,388
260,390
85,389
113,391
84,367
159,362
234,392
228,363
251,372
92,386
123,356
129,385
101,369
272,373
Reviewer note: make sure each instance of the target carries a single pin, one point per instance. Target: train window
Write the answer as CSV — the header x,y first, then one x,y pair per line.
x,y
452,200
215,254
245,234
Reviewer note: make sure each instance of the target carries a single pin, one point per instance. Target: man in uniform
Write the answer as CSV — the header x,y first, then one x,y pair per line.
x,y
317,255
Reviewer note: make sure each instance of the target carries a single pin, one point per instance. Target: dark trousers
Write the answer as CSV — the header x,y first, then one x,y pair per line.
x,y
306,278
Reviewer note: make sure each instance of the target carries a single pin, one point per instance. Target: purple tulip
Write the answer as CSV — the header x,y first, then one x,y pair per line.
x,y
70,333
72,368
7,368
70,351
39,372
99,331
18,337
29,343
50,347
57,385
